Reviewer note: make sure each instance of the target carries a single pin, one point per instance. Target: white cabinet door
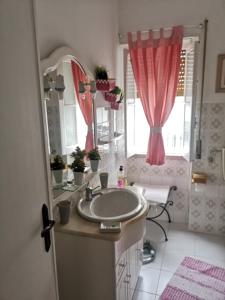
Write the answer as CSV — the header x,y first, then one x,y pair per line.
x,y
27,272
133,261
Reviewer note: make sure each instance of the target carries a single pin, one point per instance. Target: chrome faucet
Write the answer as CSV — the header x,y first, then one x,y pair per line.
x,y
89,193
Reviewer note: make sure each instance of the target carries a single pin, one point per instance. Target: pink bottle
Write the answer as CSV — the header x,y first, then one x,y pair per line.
x,y
121,178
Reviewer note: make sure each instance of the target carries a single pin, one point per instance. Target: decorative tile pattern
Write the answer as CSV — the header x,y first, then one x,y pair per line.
x,y
174,172
204,210
210,201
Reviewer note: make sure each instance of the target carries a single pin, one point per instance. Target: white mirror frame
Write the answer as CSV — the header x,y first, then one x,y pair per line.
x,y
51,62
54,59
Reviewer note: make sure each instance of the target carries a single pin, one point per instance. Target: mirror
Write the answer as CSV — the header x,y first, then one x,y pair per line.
x,y
65,119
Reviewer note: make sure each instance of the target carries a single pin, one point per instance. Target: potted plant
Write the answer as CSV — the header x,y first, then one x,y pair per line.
x,y
115,95
103,83
119,97
101,73
57,167
78,167
94,158
78,152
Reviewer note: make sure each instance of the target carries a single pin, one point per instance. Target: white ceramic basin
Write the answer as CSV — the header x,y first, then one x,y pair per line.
x,y
114,204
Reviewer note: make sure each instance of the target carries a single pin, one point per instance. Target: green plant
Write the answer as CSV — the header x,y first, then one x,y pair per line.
x,y
78,152
78,165
101,73
121,98
117,91
94,154
58,163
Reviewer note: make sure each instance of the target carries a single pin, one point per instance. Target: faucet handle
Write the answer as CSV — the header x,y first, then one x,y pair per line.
x,y
88,191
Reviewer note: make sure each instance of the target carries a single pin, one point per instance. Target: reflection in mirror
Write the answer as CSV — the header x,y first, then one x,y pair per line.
x,y
109,124
66,125
68,115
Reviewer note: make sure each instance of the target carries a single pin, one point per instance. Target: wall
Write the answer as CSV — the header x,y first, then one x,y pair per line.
x,y
206,207
89,27
207,202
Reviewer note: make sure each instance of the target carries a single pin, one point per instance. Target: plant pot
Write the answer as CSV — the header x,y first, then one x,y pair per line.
x,y
105,85
94,165
58,176
114,105
78,178
110,97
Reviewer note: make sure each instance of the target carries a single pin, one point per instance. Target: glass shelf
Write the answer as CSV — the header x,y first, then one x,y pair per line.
x,y
58,190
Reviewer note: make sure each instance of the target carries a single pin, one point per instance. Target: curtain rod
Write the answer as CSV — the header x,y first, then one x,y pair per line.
x,y
200,26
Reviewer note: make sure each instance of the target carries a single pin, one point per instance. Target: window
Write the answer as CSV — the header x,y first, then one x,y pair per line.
x,y
178,128
73,128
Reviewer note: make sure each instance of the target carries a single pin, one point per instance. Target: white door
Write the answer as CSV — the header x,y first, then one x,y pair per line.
x,y
27,272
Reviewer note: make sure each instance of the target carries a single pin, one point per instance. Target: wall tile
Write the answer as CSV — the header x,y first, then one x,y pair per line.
x,y
210,199
176,171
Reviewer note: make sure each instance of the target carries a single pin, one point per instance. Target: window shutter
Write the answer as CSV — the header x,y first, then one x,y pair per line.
x,y
181,76
131,91
189,99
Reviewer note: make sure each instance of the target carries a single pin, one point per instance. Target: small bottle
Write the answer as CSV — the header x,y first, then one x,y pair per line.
x,y
121,178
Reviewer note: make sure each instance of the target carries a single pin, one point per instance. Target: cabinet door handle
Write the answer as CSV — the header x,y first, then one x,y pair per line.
x,y
126,281
128,275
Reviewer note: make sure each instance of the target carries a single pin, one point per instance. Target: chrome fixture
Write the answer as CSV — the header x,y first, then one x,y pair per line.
x,y
89,193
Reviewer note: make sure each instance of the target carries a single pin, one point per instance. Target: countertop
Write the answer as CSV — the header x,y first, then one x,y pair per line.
x,y
82,227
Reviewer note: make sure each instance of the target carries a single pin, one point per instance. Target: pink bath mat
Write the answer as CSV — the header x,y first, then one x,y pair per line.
x,y
196,280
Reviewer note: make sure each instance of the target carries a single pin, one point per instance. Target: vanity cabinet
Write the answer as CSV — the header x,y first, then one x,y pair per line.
x,y
128,269
98,266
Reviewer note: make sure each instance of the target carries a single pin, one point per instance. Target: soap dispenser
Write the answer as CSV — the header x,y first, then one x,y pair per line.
x,y
121,178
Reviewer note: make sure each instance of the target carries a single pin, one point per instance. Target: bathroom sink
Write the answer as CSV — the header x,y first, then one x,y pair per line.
x,y
115,204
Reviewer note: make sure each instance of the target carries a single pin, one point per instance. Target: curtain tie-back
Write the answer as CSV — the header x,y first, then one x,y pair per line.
x,y
90,128
156,129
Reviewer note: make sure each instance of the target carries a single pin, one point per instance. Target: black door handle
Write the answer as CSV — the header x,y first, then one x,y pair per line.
x,y
47,226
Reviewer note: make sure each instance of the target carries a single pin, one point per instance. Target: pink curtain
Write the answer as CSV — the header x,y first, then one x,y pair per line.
x,y
156,64
85,105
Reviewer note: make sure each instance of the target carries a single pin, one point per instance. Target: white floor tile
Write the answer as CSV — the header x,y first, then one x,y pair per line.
x,y
210,247
138,295
163,281
148,280
184,245
177,234
181,242
172,260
